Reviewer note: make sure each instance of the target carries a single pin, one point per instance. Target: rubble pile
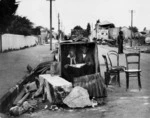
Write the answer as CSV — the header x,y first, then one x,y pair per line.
x,y
47,90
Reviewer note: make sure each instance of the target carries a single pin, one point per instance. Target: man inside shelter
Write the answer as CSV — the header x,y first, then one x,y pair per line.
x,y
80,56
70,72
85,55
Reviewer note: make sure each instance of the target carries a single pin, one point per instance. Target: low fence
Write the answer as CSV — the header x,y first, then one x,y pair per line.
x,y
14,42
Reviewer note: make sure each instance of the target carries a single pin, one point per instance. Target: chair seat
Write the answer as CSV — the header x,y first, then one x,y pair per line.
x,y
113,71
133,70
119,68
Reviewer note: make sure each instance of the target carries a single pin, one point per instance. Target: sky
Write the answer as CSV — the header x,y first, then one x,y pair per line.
x,y
81,12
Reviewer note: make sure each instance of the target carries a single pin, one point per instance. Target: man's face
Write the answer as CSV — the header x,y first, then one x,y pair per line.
x,y
72,53
84,50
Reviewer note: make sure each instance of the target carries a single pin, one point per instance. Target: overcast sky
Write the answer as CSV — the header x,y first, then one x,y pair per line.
x,y
81,12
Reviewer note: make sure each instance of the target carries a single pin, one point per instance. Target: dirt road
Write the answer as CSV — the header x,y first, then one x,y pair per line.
x,y
133,103
121,103
13,65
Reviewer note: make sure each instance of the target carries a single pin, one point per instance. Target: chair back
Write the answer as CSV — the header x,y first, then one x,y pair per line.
x,y
112,54
106,62
133,60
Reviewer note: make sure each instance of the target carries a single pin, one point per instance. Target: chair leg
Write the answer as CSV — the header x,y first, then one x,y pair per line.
x,y
139,81
105,73
127,81
107,78
119,79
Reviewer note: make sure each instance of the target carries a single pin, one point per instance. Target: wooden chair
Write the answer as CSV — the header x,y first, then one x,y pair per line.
x,y
109,71
115,66
133,68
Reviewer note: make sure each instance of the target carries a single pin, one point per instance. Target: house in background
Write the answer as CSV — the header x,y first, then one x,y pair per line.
x,y
45,36
146,34
106,25
101,30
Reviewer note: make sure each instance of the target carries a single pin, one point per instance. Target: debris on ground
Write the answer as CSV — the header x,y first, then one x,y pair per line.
x,y
78,98
16,110
53,107
26,106
31,87
20,95
55,87
41,68
20,102
94,102
50,91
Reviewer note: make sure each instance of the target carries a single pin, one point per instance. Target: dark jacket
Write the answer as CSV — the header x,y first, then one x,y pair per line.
x,y
87,59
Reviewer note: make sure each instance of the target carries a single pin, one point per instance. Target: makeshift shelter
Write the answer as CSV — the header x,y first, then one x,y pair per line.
x,y
64,49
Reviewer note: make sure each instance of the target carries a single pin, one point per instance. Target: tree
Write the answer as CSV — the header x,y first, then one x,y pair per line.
x,y
7,10
144,29
133,29
78,28
11,23
20,25
88,29
77,31
97,24
36,30
98,21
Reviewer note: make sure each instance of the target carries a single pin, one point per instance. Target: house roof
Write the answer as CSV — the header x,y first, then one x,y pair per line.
x,y
105,23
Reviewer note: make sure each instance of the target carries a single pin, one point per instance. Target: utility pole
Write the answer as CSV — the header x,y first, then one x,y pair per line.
x,y
131,18
131,26
50,23
96,31
59,27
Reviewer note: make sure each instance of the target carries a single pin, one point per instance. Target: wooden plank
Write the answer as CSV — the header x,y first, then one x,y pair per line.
x,y
21,94
23,99
47,91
